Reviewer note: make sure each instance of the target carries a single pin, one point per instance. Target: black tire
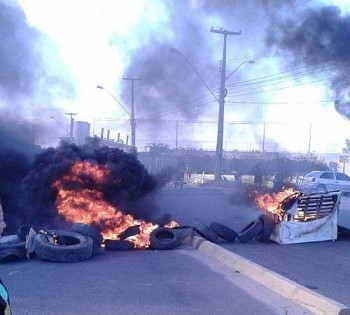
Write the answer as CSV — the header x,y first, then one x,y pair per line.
x,y
12,248
205,231
12,254
118,245
164,238
223,231
23,231
185,232
89,231
10,241
268,225
71,247
250,231
130,231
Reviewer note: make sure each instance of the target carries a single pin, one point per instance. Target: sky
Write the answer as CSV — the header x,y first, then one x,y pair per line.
x,y
294,97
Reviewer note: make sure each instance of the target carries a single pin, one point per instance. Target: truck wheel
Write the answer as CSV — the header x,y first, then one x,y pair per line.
x,y
223,231
70,247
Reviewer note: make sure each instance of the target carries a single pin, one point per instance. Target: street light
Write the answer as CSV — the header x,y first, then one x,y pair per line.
x,y
132,117
61,126
177,52
220,135
242,63
221,101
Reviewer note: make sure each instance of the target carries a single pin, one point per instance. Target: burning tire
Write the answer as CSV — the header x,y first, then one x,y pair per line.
x,y
250,231
164,238
205,231
69,247
89,231
268,225
223,231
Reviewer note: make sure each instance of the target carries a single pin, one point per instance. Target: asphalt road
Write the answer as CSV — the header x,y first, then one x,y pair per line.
x,y
319,266
182,280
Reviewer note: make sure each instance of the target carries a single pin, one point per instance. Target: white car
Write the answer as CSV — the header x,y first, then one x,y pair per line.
x,y
321,181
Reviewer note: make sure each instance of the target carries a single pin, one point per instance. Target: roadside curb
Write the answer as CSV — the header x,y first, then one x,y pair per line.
x,y
313,301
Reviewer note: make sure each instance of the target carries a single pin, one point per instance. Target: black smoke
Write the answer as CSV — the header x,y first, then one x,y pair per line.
x,y
32,78
22,60
318,37
17,152
128,187
169,88
168,83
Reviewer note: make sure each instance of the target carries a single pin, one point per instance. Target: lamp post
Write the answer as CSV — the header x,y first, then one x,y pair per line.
x,y
241,64
220,135
221,100
132,116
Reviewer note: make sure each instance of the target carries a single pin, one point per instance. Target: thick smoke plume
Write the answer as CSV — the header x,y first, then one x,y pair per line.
x,y
22,59
16,154
32,79
319,37
128,186
168,84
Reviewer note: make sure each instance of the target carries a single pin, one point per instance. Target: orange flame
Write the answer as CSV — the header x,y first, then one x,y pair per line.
x,y
86,205
272,202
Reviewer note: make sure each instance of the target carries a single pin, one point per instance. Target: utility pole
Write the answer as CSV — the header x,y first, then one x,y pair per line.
x,y
177,134
132,115
264,134
71,125
310,134
223,92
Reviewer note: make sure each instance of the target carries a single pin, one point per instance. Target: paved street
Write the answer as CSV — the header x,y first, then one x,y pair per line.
x,y
320,266
183,280
178,281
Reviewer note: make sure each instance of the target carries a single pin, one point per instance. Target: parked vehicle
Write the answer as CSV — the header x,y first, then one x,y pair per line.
x,y
321,181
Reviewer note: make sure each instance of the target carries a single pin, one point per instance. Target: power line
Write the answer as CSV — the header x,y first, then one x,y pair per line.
x,y
280,103
288,75
276,89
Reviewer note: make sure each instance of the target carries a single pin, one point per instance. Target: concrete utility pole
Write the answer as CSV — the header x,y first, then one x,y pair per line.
x,y
310,134
223,92
71,125
132,115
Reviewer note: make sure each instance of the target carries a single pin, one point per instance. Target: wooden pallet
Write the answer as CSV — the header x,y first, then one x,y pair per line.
x,y
315,219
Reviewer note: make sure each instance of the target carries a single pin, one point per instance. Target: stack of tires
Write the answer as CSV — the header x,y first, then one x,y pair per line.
x,y
74,245
259,229
13,247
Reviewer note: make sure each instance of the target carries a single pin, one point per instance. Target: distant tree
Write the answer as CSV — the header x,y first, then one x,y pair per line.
x,y
158,148
311,162
347,146
333,166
